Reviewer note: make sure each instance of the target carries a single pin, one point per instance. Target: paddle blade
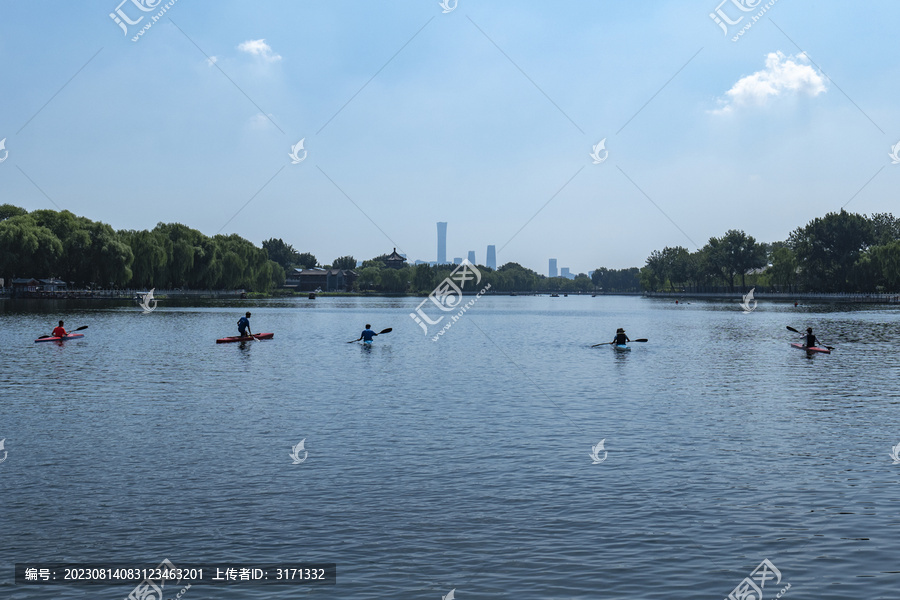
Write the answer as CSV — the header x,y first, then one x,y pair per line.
x,y
82,327
640,340
603,344
792,329
388,330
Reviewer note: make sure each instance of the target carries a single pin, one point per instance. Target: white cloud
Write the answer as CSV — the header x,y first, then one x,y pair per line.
x,y
782,76
260,121
212,60
259,48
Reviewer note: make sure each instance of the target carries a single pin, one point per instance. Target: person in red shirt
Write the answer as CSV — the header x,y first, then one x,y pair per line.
x,y
60,331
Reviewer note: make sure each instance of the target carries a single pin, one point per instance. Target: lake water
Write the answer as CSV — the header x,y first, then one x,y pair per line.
x,y
462,464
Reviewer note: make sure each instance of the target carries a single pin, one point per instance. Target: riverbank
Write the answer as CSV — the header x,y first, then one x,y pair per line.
x,y
127,294
783,297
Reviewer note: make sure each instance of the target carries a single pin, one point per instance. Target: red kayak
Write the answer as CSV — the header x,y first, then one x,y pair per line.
x,y
811,348
246,338
71,336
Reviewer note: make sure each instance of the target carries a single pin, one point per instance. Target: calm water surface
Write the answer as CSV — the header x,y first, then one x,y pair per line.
x,y
459,464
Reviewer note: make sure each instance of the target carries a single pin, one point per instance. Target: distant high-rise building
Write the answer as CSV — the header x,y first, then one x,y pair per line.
x,y
564,272
553,268
472,256
491,260
457,260
442,243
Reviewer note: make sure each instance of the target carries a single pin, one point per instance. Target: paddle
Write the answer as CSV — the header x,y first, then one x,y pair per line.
x,y
73,331
610,343
383,331
801,333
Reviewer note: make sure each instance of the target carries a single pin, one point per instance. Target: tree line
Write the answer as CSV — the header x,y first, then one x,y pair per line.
x,y
45,243
840,252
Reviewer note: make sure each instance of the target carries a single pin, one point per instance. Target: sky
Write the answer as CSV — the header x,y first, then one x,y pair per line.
x,y
486,115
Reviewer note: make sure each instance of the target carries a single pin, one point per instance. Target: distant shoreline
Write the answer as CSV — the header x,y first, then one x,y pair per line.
x,y
783,297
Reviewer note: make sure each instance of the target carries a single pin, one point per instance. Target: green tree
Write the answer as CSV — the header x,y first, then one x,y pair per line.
x,y
8,210
783,270
829,247
307,260
423,278
344,262
886,258
282,253
26,249
735,253
886,228
368,278
395,281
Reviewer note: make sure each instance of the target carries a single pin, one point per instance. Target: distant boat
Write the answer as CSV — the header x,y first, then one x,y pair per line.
x,y
554,295
312,295
513,294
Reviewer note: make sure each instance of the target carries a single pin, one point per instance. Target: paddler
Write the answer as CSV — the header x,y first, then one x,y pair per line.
x,y
811,339
60,331
367,335
244,325
621,339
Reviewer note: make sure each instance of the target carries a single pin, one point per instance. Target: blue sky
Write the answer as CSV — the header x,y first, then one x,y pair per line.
x,y
484,117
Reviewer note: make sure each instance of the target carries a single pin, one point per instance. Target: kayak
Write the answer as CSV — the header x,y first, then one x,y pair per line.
x,y
60,339
246,338
621,347
811,348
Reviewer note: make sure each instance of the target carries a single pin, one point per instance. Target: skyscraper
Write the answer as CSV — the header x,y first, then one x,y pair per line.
x,y
491,260
553,267
442,243
564,272
472,256
457,260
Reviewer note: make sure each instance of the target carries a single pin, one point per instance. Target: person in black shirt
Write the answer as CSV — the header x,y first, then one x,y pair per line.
x,y
811,339
621,339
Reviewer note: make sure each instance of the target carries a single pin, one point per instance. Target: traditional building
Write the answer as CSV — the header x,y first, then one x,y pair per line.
x,y
25,285
395,261
53,285
326,280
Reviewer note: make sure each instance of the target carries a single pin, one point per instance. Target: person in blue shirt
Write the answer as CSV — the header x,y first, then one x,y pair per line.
x,y
367,334
244,325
